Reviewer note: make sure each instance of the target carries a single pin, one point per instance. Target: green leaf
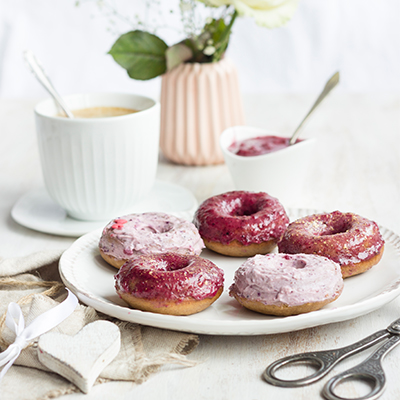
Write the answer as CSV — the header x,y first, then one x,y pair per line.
x,y
221,36
217,27
177,54
141,54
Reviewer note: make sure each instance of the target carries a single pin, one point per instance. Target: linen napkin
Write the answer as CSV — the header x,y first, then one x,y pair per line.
x,y
34,283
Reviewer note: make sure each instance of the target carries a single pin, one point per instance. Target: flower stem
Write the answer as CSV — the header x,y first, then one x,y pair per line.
x,y
227,32
234,15
224,40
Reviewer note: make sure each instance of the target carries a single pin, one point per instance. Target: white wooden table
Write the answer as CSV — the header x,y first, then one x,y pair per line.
x,y
356,168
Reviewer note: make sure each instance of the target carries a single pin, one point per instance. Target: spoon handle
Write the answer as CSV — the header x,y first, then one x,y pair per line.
x,y
333,81
38,71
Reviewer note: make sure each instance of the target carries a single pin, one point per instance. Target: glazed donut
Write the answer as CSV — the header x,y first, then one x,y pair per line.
x,y
286,284
352,241
169,283
241,224
149,233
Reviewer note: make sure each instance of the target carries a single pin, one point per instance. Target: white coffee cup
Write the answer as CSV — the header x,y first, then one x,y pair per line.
x,y
98,168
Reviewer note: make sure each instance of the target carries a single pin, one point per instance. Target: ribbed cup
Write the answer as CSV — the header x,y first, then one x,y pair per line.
x,y
198,102
97,168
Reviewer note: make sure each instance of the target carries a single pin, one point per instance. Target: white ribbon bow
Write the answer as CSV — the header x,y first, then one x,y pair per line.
x,y
40,325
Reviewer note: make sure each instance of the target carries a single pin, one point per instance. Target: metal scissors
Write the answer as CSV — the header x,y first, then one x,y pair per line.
x,y
370,370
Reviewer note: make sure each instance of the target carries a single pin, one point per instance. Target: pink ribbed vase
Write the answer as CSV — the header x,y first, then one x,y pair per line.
x,y
198,102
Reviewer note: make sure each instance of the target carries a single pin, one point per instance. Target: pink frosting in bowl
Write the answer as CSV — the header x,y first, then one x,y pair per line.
x,y
277,279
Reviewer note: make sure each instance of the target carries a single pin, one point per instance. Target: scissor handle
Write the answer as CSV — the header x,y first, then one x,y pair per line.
x,y
369,370
323,360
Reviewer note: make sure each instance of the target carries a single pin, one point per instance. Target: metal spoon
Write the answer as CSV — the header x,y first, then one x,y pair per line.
x,y
328,87
38,71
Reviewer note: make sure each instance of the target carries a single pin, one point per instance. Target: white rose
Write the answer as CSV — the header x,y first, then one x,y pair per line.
x,y
268,13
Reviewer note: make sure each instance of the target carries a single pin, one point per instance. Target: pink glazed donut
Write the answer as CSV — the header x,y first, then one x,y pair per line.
x,y
352,241
149,233
287,284
169,283
240,223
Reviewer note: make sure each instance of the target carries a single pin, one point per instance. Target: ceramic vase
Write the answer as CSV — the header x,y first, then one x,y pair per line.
x,y
198,102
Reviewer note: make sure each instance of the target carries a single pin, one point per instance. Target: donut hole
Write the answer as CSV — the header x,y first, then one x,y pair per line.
x,y
166,227
161,228
172,262
293,263
246,211
299,264
335,228
244,208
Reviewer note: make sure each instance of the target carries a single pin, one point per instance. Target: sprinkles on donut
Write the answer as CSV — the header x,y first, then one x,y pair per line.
x,y
241,223
352,241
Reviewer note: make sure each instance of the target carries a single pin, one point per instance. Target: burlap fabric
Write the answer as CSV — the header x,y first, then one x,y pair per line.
x,y
34,283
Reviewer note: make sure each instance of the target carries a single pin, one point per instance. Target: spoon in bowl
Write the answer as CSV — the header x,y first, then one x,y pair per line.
x,y
39,73
333,81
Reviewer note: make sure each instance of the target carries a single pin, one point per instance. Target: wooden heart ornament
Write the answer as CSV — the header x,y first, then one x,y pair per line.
x,y
82,357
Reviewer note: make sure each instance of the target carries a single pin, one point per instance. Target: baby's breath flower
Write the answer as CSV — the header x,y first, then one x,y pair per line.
x,y
209,50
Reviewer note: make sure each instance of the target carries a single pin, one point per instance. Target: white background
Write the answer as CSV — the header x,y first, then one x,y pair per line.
x,y
361,38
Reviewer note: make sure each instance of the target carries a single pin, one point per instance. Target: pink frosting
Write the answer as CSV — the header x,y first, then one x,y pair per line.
x,y
149,233
276,279
259,145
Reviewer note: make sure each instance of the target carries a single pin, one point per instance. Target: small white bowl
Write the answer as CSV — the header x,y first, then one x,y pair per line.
x,y
280,173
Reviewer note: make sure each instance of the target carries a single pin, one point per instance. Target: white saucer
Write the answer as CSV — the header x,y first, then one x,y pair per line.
x,y
36,210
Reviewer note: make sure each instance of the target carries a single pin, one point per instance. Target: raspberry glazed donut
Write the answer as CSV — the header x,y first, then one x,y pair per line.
x,y
286,284
240,223
148,233
169,283
346,238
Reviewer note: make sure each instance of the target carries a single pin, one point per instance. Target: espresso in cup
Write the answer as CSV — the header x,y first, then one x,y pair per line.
x,y
101,112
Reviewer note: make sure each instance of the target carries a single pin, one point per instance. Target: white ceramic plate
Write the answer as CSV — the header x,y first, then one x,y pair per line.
x,y
36,210
85,273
